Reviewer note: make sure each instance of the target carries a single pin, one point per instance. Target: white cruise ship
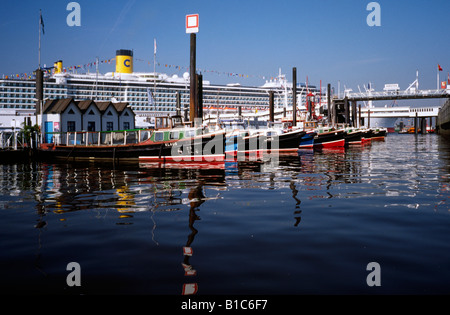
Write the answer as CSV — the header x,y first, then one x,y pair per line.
x,y
149,94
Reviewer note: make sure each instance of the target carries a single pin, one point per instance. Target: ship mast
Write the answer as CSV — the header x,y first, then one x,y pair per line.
x,y
154,72
40,27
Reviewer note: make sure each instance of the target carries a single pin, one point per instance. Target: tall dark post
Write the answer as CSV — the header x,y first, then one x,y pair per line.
x,y
192,107
40,102
423,125
294,96
199,96
359,116
39,90
333,113
329,102
415,123
347,112
354,118
178,104
271,107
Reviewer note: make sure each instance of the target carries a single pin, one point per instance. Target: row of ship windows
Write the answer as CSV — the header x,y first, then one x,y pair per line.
x,y
15,100
99,86
136,107
18,106
143,95
162,102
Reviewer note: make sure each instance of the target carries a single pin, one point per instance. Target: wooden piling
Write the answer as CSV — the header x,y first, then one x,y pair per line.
x,y
178,106
329,102
192,107
271,107
347,112
294,96
199,97
416,124
39,90
354,115
359,116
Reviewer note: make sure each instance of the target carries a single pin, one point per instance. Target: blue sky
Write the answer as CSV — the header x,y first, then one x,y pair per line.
x,y
325,40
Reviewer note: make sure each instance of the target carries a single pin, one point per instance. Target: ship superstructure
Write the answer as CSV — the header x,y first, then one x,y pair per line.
x,y
150,94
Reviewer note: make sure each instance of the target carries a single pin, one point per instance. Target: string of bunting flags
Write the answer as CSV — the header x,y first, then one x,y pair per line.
x,y
50,70
229,74
90,65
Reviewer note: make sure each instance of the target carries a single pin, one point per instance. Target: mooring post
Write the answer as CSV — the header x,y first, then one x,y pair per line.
x,y
178,103
359,116
199,97
354,117
415,123
192,109
333,113
347,112
294,96
39,102
271,107
329,102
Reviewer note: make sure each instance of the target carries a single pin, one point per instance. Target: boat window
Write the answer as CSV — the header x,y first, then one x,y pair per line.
x,y
159,136
189,133
174,135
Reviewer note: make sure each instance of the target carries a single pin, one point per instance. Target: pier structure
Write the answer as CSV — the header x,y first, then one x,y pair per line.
x,y
352,114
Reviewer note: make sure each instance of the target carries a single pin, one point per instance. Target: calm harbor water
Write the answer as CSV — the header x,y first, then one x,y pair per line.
x,y
310,225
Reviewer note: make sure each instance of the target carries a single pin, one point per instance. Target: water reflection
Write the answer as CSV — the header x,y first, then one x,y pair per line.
x,y
308,180
196,198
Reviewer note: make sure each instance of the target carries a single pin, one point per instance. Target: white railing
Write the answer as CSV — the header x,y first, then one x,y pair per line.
x,y
98,137
386,112
15,140
397,93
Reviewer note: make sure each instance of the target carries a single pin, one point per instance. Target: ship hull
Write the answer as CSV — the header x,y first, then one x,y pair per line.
x,y
307,141
330,139
282,143
354,137
203,148
379,134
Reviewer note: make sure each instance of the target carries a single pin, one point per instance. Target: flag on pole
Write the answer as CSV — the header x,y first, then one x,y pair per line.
x,y
448,77
42,23
439,68
154,44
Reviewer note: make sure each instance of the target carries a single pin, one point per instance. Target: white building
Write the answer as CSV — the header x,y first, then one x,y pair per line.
x,y
68,115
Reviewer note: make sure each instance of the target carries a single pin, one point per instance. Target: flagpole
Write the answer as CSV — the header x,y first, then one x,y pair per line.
x,y
437,83
154,73
40,19
154,63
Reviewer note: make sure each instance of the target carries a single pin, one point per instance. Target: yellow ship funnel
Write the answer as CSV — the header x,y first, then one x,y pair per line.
x,y
124,61
58,66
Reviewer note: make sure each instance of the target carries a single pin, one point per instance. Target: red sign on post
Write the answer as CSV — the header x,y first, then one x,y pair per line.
x,y
192,23
443,85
